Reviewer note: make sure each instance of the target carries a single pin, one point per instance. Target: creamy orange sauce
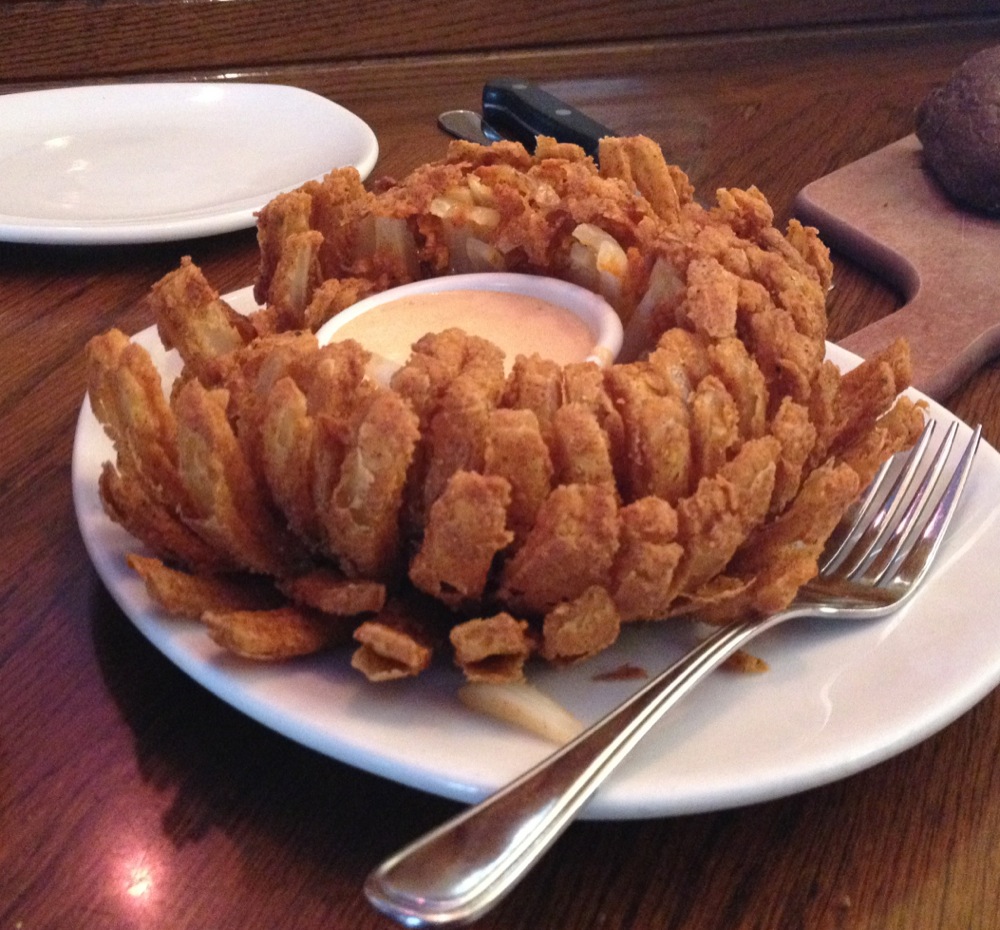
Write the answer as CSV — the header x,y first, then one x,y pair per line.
x,y
518,323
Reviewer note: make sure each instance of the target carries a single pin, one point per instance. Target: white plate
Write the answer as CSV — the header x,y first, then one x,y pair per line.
x,y
123,163
838,698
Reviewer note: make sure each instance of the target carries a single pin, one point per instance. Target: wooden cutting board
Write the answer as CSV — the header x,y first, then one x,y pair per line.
x,y
887,213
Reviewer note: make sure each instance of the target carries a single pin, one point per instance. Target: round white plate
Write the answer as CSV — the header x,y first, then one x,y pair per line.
x,y
837,699
122,163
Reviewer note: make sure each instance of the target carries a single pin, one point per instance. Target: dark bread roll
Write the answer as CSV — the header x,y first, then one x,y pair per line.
x,y
959,127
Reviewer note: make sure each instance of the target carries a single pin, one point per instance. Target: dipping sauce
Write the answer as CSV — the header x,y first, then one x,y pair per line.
x,y
519,324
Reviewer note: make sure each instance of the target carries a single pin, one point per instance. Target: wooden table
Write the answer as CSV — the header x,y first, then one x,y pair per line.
x,y
131,798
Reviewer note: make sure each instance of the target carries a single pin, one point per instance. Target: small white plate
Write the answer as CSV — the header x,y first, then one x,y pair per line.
x,y
123,163
839,696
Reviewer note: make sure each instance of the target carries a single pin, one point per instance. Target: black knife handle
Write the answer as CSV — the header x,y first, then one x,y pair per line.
x,y
521,110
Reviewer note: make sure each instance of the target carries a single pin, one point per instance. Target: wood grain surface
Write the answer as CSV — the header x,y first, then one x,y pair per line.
x,y
131,798
76,39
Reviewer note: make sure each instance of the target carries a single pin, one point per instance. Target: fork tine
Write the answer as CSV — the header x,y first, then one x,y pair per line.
x,y
854,521
871,529
879,563
916,560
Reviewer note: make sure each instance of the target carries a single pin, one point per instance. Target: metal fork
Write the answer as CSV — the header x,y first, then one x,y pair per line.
x,y
873,563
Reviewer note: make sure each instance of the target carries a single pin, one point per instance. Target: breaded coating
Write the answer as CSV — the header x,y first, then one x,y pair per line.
x,y
732,364
336,204
143,490
437,360
648,555
535,384
657,433
581,450
398,643
894,431
805,240
455,439
584,383
711,298
191,317
251,376
868,390
681,360
157,525
570,548
514,450
492,648
823,412
287,215
126,395
797,435
580,628
465,530
782,555
333,593
227,507
296,278
285,450
714,426
787,358
362,515
452,381
639,162
189,595
715,520
282,633
332,296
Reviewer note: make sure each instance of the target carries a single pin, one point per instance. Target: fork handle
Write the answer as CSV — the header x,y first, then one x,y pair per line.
x,y
460,870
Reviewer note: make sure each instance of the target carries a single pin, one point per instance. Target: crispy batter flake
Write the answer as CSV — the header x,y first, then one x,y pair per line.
x,y
270,635
578,629
492,648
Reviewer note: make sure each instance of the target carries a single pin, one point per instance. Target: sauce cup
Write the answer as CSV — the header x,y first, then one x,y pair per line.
x,y
573,324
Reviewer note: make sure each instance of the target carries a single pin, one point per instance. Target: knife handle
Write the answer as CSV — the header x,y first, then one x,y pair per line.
x,y
521,110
